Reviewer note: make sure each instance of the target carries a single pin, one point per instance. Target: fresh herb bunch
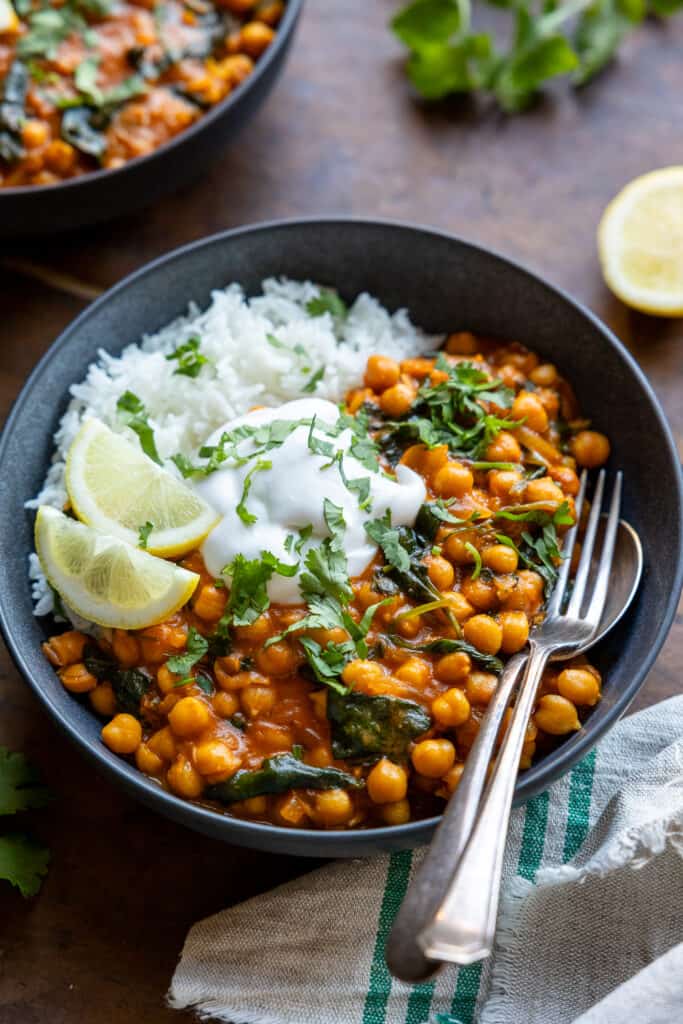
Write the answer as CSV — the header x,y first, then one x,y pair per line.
x,y
577,38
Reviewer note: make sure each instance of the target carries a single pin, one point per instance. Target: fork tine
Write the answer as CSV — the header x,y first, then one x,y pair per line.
x,y
581,578
601,582
557,596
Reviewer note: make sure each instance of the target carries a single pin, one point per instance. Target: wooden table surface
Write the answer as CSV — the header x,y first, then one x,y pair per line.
x,y
341,134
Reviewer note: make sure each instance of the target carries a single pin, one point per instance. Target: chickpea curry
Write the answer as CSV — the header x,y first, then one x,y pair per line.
x,y
357,706
88,84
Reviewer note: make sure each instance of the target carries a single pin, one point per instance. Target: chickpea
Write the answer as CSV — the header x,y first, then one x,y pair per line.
x,y
500,558
397,813
544,375
440,572
504,448
481,593
527,407
126,648
159,642
291,811
451,708
65,649
210,602
417,368
484,633
34,134
256,633
271,12
543,489
579,686
123,734
454,547
255,806
414,671
280,659
387,782
550,400
408,626
189,717
362,673
328,636
459,605
215,758
453,480
515,631
432,459
396,401
258,700
556,715
319,701
147,761
503,481
462,343
60,156
589,448
103,700
77,679
433,758
452,777
467,733
381,373
225,704
226,669
256,37
184,779
321,757
566,478
333,807
480,687
453,668
239,6
163,744
166,680
511,377
527,592
359,397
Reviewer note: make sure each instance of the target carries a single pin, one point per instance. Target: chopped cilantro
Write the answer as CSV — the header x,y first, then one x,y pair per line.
x,y
310,385
476,558
248,518
389,540
327,302
249,588
189,359
143,534
132,412
196,648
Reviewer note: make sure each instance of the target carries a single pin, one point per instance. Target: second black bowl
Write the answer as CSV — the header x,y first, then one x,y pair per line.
x,y
103,195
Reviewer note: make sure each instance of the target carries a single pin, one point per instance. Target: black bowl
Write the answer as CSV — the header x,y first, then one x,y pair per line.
x,y
447,285
102,195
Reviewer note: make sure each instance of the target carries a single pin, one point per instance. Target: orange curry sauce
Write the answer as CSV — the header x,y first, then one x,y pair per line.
x,y
94,83
242,707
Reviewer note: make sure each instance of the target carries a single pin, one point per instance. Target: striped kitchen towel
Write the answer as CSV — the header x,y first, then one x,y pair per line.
x,y
576,919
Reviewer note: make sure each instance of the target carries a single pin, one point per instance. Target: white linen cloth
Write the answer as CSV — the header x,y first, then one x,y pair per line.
x,y
590,929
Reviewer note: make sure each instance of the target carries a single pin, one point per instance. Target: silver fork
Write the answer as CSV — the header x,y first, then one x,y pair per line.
x,y
462,928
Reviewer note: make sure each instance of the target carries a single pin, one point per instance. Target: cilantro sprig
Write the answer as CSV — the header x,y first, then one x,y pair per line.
x,y
578,38
133,413
190,360
23,861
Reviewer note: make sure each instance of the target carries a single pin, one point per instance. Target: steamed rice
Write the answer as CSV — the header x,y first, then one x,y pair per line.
x,y
246,369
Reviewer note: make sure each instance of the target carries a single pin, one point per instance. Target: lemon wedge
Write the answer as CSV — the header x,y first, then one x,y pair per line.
x,y
9,22
104,579
115,488
640,240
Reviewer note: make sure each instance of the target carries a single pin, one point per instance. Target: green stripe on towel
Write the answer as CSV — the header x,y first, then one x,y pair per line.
x,y
580,793
379,990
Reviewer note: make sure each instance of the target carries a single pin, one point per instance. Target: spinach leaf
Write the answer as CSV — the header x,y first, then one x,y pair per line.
x,y
82,128
12,111
448,646
132,412
278,774
367,728
129,684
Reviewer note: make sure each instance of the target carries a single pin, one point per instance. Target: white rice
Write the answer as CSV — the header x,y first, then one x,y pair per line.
x,y
245,370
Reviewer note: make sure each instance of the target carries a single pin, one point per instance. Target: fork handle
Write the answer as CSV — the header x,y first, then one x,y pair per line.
x,y
403,954
463,927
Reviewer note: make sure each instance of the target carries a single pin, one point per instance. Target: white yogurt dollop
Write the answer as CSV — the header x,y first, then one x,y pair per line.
x,y
290,495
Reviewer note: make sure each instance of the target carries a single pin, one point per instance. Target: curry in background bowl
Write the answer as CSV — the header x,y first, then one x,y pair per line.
x,y
90,84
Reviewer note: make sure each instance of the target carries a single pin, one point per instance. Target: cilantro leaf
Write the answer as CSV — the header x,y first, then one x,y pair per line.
x,y
23,863
389,540
20,785
196,648
249,588
143,534
426,23
189,359
248,518
327,301
132,412
310,385
599,33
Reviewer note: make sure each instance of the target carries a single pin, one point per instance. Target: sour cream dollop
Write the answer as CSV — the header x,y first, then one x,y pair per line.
x,y
290,495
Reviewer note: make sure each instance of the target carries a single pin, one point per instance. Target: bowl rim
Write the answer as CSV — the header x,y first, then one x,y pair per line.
x,y
534,780
282,36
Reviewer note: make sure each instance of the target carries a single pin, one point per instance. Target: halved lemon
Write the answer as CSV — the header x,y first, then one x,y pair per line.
x,y
114,487
104,579
8,18
640,240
